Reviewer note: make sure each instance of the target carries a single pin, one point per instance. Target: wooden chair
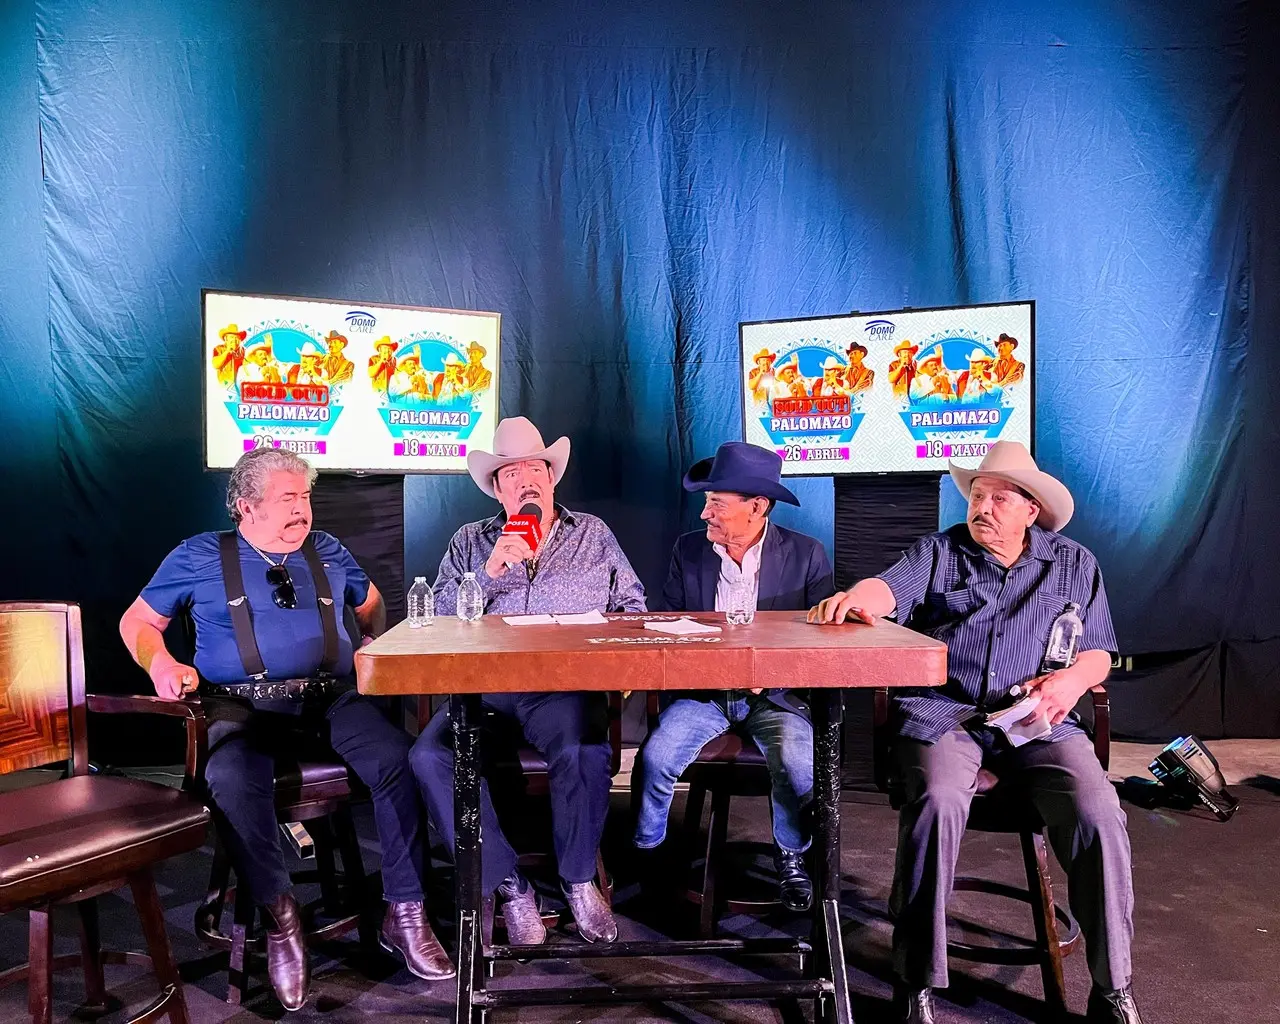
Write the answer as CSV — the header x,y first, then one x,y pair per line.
x,y
69,841
317,792
996,809
524,761
728,766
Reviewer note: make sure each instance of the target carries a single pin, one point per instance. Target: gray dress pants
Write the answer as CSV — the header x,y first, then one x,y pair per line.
x,y
1086,829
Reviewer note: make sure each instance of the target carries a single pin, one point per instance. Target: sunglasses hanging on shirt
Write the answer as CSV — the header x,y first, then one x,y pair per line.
x,y
283,595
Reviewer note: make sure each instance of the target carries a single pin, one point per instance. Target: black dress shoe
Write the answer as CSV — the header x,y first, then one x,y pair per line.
x,y
1114,1007
795,886
914,1006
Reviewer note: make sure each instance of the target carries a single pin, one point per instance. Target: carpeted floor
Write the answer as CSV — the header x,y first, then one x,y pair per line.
x,y
1207,947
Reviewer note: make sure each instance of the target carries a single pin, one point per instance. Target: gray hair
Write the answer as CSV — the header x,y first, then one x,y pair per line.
x,y
254,468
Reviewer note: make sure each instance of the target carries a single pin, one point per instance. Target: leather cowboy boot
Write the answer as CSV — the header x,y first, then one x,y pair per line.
x,y
520,912
596,922
287,963
913,1006
1112,1007
794,884
405,931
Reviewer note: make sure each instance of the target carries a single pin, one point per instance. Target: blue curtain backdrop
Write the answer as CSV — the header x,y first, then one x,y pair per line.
x,y
625,182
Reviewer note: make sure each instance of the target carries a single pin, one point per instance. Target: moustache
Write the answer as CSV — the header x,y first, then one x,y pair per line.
x,y
299,522
981,521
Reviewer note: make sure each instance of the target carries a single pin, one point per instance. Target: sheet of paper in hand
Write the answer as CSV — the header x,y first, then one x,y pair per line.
x,y
1009,721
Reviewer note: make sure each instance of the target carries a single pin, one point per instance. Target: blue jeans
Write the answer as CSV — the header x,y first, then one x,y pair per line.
x,y
785,738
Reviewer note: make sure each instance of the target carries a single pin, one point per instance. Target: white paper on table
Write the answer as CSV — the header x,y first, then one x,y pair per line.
x,y
528,620
1009,722
681,627
591,618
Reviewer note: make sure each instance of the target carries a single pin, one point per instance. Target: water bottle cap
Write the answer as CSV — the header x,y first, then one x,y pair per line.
x,y
419,579
468,575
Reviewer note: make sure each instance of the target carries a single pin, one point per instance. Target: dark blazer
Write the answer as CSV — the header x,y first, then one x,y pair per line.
x,y
795,574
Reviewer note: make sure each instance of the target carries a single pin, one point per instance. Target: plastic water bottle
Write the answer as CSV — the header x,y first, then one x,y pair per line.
x,y
1063,639
470,599
421,602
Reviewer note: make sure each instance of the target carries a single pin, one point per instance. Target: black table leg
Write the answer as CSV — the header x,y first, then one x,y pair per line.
x,y
828,714
464,710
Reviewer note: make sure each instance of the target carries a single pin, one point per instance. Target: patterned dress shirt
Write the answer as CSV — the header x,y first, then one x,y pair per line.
x,y
994,620
580,568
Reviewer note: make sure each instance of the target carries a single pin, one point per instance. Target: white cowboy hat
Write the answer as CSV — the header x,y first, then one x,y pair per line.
x,y
452,360
1010,460
832,363
261,345
978,356
309,349
516,440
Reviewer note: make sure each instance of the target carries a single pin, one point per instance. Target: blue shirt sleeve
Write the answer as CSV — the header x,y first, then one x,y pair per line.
x,y
909,577
172,588
626,592
1099,634
332,551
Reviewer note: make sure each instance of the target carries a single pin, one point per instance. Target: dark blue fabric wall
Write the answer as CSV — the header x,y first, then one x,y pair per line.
x,y
625,182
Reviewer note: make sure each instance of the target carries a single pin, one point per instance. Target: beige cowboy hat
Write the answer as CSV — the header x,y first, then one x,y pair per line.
x,y
905,346
516,440
1010,460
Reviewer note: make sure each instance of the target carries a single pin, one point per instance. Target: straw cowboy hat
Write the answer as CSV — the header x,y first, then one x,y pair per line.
x,y
516,440
410,357
386,342
905,346
1010,460
764,353
233,330
261,345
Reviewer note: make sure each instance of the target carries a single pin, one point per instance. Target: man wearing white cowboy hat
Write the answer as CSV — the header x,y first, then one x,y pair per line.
x,y
976,382
832,381
409,382
310,369
991,588
451,385
781,570
260,366
576,567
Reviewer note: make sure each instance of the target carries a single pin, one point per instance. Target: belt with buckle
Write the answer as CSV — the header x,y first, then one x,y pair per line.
x,y
276,689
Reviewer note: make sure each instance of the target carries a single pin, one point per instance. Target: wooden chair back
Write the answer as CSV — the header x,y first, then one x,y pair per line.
x,y
42,700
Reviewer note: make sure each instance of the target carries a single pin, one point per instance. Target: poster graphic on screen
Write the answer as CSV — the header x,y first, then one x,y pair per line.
x,y
892,392
350,386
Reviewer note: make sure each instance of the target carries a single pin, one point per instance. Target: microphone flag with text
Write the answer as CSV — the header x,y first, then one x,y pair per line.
x,y
528,524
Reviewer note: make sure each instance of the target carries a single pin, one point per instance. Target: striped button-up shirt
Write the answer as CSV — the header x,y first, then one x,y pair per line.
x,y
580,568
994,620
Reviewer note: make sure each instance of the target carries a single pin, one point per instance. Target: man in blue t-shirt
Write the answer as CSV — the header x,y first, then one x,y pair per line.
x,y
273,664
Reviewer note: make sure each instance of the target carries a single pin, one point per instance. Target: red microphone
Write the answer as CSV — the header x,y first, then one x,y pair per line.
x,y
528,524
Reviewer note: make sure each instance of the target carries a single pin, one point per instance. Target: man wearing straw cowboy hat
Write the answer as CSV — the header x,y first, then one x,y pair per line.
x,y
991,588
760,379
782,570
903,367
477,376
577,566
228,354
382,364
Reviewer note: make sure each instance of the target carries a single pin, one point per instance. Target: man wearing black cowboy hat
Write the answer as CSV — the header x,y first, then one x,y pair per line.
x,y
740,547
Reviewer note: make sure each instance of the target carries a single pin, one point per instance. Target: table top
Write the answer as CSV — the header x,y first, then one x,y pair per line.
x,y
778,649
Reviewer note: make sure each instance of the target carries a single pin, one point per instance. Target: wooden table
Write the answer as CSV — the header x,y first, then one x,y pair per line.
x,y
467,659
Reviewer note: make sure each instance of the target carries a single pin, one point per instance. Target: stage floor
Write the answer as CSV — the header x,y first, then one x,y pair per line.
x,y
1207,919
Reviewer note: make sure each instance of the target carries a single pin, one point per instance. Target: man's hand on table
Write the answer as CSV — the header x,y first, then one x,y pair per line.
x,y
838,608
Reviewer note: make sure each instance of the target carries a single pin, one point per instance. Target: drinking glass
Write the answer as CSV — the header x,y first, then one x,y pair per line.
x,y
740,606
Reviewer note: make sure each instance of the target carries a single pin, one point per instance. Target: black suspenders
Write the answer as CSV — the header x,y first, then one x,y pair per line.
x,y
242,621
